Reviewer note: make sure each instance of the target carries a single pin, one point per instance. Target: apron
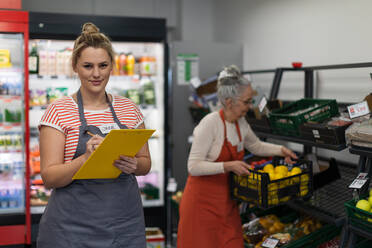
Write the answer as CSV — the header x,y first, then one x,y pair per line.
x,y
94,213
209,218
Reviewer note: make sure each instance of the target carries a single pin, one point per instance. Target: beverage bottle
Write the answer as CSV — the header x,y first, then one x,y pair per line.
x,y
148,65
122,63
116,65
130,64
33,60
149,93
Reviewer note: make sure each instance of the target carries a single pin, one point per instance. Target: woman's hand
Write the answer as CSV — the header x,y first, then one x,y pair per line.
x,y
288,155
92,144
240,168
126,164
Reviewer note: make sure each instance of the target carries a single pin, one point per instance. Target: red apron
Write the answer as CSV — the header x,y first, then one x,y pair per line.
x,y
209,218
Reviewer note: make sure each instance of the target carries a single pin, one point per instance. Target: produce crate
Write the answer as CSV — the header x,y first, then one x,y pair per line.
x,y
286,121
323,133
259,125
316,238
358,217
257,188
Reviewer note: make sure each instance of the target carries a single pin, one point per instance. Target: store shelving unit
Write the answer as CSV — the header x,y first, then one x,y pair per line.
x,y
327,204
364,165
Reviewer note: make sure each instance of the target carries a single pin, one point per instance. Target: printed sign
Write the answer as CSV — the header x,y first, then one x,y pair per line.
x,y
262,104
359,181
187,68
270,243
358,109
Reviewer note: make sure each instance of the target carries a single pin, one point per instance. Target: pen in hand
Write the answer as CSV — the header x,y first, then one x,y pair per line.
x,y
91,134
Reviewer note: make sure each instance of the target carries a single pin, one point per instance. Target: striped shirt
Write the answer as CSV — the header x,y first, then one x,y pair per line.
x,y
63,115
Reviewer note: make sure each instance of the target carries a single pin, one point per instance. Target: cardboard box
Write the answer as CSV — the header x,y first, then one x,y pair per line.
x,y
154,238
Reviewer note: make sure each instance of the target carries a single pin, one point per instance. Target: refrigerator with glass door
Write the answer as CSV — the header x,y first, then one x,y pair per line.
x,y
139,73
14,132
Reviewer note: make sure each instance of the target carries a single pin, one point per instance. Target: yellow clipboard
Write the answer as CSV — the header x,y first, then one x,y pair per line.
x,y
117,142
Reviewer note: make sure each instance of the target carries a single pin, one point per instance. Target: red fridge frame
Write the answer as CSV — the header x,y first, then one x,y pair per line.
x,y
18,22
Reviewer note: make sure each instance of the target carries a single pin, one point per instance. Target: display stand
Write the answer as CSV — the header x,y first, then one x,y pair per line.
x,y
333,211
365,165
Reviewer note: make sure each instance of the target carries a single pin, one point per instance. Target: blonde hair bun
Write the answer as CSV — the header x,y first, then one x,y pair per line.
x,y
231,71
89,28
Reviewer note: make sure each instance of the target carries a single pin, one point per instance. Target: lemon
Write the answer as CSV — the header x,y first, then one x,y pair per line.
x,y
304,191
281,169
370,200
364,205
272,176
304,178
295,171
268,168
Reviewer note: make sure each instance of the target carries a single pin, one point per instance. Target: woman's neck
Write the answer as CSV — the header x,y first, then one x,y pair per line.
x,y
229,117
94,101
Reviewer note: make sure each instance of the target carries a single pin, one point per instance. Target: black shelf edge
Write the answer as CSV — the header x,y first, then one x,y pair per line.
x,y
339,66
318,213
361,232
300,141
361,151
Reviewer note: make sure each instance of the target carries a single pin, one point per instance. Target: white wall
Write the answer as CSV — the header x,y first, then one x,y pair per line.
x,y
197,20
277,32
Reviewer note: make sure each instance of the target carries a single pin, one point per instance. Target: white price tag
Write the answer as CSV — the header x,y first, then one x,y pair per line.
x,y
262,104
359,181
358,109
270,243
172,185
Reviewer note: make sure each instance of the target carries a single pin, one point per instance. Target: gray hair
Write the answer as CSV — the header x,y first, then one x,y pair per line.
x,y
230,82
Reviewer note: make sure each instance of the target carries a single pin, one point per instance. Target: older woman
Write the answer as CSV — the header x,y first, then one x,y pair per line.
x,y
209,218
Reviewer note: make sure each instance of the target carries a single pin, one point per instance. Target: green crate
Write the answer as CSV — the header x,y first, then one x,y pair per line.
x,y
358,217
316,238
284,122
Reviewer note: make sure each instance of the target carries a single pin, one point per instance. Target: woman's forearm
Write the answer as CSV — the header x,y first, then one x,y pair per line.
x,y
60,175
143,166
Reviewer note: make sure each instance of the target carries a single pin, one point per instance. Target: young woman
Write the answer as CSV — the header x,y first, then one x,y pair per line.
x,y
98,212
209,218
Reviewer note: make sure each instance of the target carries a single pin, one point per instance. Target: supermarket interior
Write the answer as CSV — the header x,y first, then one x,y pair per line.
x,y
260,111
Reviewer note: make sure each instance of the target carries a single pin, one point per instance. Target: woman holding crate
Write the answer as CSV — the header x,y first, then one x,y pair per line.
x,y
209,218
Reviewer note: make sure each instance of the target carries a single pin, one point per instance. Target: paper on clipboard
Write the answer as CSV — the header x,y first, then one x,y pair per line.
x,y
118,142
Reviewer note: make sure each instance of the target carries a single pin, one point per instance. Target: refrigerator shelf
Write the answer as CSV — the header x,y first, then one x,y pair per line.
x,y
14,128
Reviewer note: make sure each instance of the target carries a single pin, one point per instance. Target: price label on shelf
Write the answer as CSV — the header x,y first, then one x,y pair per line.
x,y
262,104
359,181
358,109
270,243
172,185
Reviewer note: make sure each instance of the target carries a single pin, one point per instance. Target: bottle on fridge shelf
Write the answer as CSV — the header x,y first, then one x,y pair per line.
x,y
5,58
116,66
122,63
52,63
148,65
67,54
33,60
134,95
43,63
60,63
130,62
149,93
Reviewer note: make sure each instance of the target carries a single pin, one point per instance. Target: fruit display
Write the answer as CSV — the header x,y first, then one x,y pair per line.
x,y
360,212
274,184
259,229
